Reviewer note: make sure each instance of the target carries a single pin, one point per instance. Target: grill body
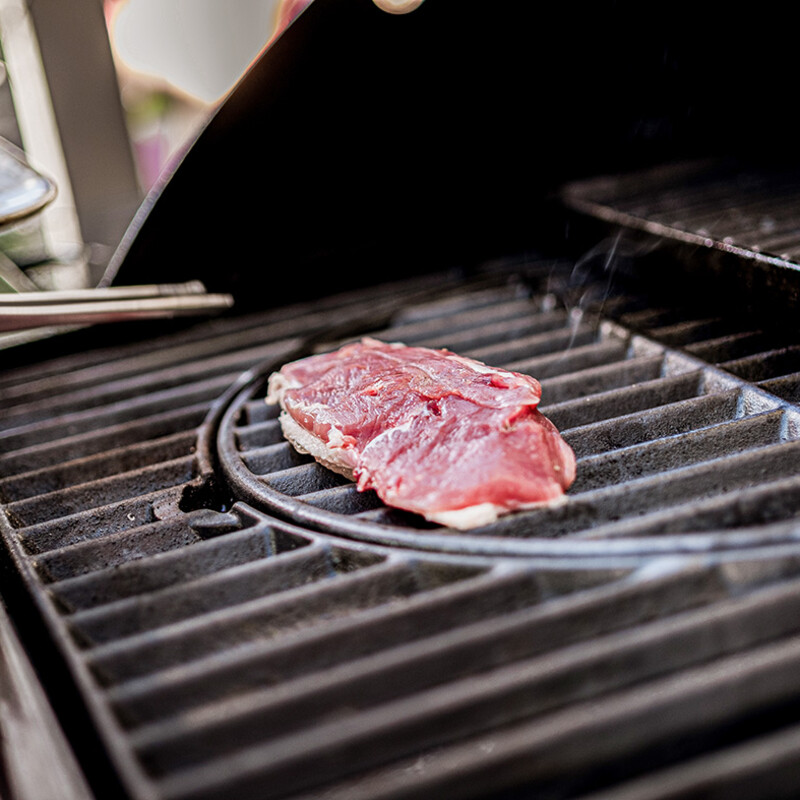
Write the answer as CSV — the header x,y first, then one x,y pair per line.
x,y
215,615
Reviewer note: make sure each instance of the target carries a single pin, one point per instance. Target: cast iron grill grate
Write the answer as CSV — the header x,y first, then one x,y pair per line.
x,y
435,679
223,652
668,445
735,208
272,661
742,347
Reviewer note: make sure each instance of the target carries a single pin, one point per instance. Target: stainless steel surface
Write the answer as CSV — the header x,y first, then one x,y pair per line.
x,y
23,190
29,733
26,310
60,296
93,149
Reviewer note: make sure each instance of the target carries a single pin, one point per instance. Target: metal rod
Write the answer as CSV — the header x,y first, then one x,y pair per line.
x,y
23,317
94,295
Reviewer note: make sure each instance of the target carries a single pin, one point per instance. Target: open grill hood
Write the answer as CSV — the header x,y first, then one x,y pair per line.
x,y
213,615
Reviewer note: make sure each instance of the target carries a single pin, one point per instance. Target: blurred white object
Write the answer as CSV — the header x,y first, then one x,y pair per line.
x,y
38,129
200,47
398,6
23,190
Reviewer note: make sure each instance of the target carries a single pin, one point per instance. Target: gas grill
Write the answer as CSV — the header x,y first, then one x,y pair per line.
x,y
211,614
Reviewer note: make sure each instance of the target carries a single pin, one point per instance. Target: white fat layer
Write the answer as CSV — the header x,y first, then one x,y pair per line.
x,y
334,458
277,385
335,437
469,517
463,519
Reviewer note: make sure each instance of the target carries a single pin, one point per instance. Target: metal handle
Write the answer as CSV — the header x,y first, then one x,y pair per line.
x,y
114,304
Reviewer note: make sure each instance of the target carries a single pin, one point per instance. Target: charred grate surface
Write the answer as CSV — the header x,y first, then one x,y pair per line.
x,y
219,652
431,694
738,345
273,662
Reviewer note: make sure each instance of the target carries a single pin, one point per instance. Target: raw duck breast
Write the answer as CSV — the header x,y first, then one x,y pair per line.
x,y
431,432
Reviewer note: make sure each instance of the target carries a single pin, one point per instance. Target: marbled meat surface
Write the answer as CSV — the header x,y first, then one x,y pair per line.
x,y
431,432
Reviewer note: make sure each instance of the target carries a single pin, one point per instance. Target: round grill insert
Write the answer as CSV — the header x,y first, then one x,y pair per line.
x,y
675,455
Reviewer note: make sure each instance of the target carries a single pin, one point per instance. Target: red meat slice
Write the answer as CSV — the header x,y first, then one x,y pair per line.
x,y
430,431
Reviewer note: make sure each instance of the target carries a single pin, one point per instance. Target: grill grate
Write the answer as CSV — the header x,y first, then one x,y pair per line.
x,y
667,444
226,652
423,673
735,208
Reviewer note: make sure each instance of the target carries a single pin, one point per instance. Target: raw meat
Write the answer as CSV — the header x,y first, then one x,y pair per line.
x,y
430,431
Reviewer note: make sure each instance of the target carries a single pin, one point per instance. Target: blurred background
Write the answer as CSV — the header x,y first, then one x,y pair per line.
x,y
98,97
175,60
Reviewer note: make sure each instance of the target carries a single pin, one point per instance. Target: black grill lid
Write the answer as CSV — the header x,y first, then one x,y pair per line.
x,y
447,147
